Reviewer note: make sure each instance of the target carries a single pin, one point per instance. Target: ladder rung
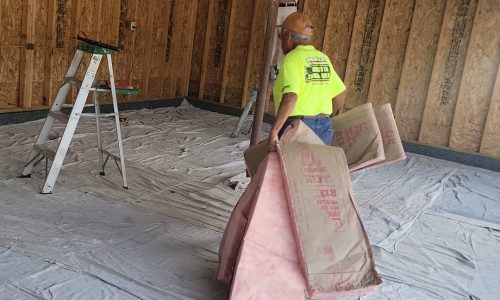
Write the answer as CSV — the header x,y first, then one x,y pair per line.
x,y
45,151
60,116
72,80
71,105
94,115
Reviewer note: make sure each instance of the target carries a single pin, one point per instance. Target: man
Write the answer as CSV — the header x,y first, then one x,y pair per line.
x,y
307,86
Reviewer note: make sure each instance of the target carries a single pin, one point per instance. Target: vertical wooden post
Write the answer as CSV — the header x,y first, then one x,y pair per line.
x,y
478,80
227,56
264,72
189,42
49,51
490,143
28,41
147,51
417,66
251,43
448,68
206,47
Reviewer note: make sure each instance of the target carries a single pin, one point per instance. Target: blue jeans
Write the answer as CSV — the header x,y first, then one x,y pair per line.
x,y
321,125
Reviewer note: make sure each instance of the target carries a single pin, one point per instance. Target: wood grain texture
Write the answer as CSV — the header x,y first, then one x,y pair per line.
x,y
337,39
417,66
197,53
362,51
236,59
447,72
390,53
490,144
317,11
206,47
478,80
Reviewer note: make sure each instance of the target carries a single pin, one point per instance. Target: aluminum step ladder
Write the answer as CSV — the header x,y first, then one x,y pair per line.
x,y
41,151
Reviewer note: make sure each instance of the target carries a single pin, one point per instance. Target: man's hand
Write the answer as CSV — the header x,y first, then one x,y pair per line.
x,y
272,141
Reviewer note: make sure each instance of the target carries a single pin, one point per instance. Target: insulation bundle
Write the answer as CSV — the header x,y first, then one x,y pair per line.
x,y
297,131
393,148
334,250
271,248
357,132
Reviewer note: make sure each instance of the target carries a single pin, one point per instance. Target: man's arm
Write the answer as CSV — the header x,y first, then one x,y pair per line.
x,y
287,105
338,103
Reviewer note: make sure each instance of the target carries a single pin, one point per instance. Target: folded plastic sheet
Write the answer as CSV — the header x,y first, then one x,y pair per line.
x,y
357,132
297,131
393,148
334,250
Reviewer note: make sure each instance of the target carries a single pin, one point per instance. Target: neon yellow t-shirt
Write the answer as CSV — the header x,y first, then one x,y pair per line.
x,y
308,73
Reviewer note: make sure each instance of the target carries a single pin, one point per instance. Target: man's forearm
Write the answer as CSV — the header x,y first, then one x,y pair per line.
x,y
338,103
287,105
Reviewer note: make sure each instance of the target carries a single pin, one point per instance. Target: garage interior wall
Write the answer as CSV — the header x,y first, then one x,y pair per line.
x,y
435,61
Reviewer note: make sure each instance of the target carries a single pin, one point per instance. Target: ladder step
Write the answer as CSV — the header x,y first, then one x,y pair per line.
x,y
94,115
71,105
45,151
73,80
60,116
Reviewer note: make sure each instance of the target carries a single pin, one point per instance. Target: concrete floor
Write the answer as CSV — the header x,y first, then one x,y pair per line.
x,y
433,225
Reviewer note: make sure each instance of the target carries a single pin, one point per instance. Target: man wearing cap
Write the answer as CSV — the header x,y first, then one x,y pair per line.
x,y
306,83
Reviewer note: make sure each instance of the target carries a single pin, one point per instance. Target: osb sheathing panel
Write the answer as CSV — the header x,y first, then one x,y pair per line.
x,y
337,39
417,67
199,42
490,144
362,52
239,50
216,52
478,79
317,11
448,67
390,51
10,52
256,47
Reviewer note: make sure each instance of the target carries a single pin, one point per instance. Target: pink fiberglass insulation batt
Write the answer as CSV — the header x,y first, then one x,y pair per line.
x,y
357,132
268,265
333,247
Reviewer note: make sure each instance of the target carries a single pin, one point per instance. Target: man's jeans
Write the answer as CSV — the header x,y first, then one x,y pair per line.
x,y
321,125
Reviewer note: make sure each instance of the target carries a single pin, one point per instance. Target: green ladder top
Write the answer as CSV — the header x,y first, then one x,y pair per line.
x,y
95,47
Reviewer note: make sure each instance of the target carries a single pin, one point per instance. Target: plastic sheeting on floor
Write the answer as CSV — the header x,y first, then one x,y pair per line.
x,y
434,225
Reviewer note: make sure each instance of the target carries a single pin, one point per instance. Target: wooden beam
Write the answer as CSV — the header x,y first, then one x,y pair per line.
x,y
227,56
362,52
447,72
417,66
478,80
131,16
147,31
49,51
338,33
189,42
490,143
251,43
166,60
28,52
390,53
96,24
206,48
177,41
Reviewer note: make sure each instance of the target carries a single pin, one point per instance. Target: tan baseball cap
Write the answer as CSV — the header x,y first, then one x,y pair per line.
x,y
298,22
